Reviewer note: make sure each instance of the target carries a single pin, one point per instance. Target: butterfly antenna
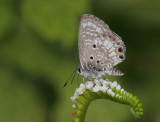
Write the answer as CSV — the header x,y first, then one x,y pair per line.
x,y
73,77
69,79
78,79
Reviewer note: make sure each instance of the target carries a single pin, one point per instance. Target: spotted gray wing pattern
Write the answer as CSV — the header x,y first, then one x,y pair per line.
x,y
99,48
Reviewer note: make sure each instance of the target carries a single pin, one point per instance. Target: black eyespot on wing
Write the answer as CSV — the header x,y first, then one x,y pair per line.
x,y
91,57
120,49
97,61
94,46
121,57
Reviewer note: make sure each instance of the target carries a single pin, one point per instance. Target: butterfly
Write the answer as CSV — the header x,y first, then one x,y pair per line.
x,y
100,49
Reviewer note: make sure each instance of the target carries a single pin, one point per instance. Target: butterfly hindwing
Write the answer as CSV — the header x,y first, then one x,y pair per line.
x,y
99,48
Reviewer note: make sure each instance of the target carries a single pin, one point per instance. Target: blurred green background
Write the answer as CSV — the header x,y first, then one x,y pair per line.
x,y
38,52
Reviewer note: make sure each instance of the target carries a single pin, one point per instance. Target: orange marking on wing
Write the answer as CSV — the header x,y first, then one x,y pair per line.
x,y
117,51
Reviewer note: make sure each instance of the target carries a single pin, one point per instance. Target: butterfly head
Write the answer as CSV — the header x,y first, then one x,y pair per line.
x,y
79,70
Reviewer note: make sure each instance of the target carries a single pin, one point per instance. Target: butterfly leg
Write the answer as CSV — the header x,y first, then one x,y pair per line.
x,y
115,72
87,78
83,79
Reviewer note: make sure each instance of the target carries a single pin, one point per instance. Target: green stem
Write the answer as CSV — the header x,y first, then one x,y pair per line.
x,y
82,102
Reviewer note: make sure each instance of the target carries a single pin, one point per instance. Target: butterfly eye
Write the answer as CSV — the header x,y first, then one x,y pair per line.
x,y
121,57
79,70
94,46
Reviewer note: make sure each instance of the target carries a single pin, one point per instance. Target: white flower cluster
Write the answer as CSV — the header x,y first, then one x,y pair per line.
x,y
96,86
